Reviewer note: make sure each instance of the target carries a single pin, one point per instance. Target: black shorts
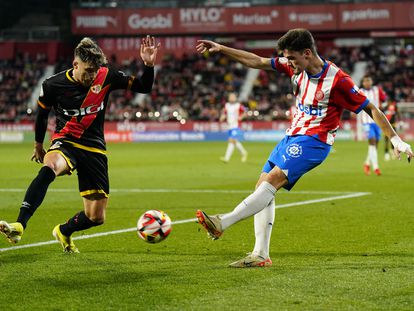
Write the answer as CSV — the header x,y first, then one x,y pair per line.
x,y
91,165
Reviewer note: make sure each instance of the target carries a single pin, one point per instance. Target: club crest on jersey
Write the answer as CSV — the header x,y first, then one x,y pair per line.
x,y
310,110
319,95
96,88
294,150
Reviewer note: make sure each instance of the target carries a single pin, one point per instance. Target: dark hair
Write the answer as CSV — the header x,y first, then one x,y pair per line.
x,y
366,76
297,40
89,52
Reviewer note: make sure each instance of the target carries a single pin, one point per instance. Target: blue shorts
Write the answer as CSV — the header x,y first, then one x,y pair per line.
x,y
295,156
372,130
235,133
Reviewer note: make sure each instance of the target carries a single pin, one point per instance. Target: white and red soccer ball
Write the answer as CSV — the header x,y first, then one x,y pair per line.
x,y
154,226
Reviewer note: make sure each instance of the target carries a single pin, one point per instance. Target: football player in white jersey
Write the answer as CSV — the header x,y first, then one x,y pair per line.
x,y
322,92
377,97
233,112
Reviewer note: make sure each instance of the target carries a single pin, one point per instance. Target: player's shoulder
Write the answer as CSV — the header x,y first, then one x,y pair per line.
x,y
54,81
342,78
57,77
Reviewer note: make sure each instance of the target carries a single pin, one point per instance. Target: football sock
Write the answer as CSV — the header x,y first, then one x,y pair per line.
x,y
373,156
263,224
240,147
368,159
35,194
229,151
77,223
253,204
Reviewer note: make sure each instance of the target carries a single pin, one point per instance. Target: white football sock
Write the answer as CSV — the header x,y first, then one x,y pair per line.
x,y
367,160
373,156
263,224
240,147
253,204
229,151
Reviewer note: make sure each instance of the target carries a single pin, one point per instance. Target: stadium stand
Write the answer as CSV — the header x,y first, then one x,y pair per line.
x,y
194,87
18,77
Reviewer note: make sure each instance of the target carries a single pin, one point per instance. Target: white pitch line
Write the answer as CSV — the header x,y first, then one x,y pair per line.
x,y
99,234
138,190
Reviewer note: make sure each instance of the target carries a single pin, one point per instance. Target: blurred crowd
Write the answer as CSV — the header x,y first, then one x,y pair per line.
x,y
195,87
17,80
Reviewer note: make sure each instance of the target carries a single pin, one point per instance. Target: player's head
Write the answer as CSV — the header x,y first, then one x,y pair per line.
x,y
366,82
88,59
232,98
298,46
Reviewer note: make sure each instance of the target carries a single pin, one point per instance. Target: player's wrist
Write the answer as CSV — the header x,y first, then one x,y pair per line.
x,y
148,64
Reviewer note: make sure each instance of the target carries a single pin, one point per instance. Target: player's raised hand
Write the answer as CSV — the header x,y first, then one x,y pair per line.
x,y
400,146
149,50
38,153
207,45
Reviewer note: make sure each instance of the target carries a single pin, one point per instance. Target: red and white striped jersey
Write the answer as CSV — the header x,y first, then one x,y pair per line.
x,y
376,96
320,99
233,112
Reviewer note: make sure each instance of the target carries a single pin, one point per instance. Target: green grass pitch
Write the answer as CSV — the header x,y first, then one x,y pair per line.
x,y
341,254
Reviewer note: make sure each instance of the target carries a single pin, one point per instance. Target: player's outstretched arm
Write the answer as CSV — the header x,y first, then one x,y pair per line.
x,y
381,120
148,50
246,58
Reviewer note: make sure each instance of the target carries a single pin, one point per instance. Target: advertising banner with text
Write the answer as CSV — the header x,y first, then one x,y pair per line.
x,y
214,20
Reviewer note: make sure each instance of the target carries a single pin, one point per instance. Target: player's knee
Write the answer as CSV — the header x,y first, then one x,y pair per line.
x,y
277,178
97,219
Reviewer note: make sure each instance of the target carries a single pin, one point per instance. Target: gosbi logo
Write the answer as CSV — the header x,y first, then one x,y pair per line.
x,y
96,88
310,110
83,111
294,150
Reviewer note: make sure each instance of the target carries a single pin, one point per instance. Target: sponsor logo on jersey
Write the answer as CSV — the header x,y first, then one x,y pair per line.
x,y
83,111
294,150
310,110
96,88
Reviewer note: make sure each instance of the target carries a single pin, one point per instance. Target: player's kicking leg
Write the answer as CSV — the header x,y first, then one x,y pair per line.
x,y
261,202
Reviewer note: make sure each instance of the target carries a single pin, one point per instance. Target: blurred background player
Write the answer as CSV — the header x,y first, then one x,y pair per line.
x,y
233,112
79,98
391,112
377,97
322,92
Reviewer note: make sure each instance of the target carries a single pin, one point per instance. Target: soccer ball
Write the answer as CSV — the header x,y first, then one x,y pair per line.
x,y
154,226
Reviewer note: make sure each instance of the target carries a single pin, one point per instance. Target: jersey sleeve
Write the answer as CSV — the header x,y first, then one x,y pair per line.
x,y
143,84
281,64
45,99
349,96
